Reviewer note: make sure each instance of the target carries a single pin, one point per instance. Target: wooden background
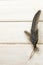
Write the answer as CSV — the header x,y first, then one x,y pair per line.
x,y
16,17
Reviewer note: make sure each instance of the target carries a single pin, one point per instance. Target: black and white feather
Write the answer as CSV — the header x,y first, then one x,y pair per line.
x,y
34,32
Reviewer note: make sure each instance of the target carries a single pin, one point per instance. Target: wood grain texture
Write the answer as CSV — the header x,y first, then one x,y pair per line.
x,y
15,17
13,32
19,54
14,10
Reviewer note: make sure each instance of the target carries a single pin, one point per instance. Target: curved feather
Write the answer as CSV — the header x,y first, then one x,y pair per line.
x,y
35,20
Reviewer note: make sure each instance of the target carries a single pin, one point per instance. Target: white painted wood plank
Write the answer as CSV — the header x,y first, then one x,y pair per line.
x,y
12,10
19,55
13,32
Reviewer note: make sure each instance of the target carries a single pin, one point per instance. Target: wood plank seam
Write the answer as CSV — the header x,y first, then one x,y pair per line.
x,y
20,21
17,43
